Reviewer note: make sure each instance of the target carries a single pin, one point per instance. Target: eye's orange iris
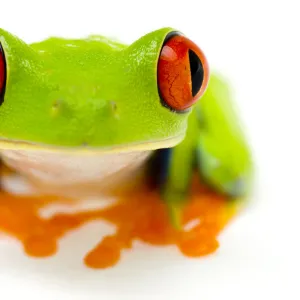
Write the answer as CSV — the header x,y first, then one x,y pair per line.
x,y
182,73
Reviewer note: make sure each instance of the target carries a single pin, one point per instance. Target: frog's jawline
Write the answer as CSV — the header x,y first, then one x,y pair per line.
x,y
89,150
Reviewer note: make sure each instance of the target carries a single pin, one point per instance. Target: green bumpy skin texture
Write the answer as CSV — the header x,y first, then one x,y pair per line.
x,y
90,92
100,93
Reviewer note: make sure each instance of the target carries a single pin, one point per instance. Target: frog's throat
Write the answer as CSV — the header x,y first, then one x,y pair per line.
x,y
85,149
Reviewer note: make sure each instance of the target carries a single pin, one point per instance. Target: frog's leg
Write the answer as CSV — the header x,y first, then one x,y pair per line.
x,y
224,156
173,171
213,136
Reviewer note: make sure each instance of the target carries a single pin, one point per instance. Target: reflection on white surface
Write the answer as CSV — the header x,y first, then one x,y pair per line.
x,y
249,254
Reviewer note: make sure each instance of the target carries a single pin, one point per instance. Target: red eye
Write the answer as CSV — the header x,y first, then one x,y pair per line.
x,y
2,74
182,73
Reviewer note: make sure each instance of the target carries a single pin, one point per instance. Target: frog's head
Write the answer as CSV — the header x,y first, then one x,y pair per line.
x,y
96,93
224,155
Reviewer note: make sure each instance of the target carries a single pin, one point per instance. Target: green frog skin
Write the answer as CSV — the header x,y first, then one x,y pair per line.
x,y
84,116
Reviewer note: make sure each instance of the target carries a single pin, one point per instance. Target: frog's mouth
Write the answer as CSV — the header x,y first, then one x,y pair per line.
x,y
9,144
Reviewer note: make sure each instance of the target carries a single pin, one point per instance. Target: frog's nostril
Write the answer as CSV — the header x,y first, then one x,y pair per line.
x,y
197,72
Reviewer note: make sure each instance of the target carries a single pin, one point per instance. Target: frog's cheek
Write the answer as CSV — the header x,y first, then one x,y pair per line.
x,y
182,73
2,74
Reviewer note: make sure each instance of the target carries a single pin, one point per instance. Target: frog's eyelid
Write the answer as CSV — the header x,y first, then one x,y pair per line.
x,y
2,74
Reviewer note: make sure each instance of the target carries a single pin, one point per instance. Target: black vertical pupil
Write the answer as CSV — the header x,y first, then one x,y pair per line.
x,y
3,74
197,72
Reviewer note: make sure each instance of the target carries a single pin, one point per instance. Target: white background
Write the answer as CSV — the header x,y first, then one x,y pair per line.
x,y
256,44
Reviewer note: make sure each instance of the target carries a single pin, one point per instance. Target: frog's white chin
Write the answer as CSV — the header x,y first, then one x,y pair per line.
x,y
73,173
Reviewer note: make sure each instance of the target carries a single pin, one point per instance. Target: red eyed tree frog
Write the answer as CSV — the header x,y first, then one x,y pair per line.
x,y
81,116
